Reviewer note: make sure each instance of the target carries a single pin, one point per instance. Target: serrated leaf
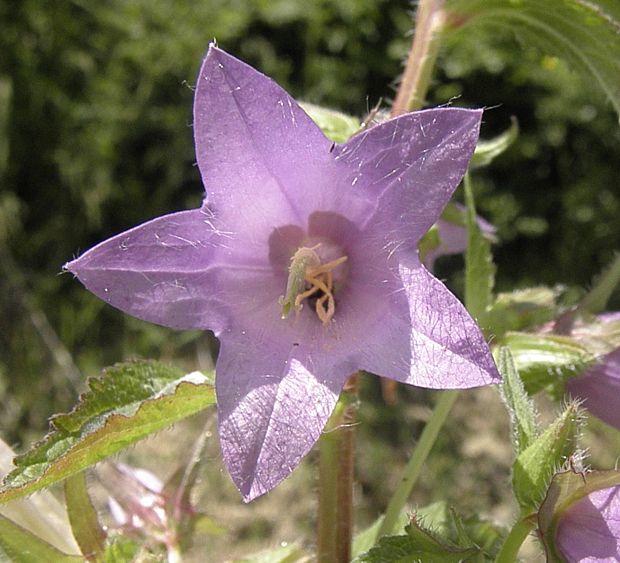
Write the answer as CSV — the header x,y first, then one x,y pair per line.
x,y
586,33
366,539
546,361
519,405
534,467
335,125
487,151
22,546
418,545
129,402
479,267
87,531
566,488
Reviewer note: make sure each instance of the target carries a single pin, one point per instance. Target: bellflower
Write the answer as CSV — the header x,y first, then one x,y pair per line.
x,y
589,529
599,386
302,260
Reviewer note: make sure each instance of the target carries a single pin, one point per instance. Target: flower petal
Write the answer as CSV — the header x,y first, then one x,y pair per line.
x,y
423,335
272,405
160,271
264,162
599,388
412,164
589,530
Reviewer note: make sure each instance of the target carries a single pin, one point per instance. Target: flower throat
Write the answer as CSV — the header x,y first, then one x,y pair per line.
x,y
308,278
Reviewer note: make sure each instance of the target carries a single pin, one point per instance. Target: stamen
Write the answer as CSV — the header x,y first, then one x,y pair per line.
x,y
307,277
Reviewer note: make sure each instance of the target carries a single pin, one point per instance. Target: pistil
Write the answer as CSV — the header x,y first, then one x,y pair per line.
x,y
307,278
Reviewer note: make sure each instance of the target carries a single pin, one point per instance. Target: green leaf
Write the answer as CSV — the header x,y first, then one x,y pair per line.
x,y
21,546
566,488
420,545
129,402
546,361
337,126
519,405
534,467
604,285
364,540
487,151
522,309
479,267
87,531
586,33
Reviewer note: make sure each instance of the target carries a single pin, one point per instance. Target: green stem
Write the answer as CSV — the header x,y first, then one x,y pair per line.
x,y
414,466
429,22
512,544
335,514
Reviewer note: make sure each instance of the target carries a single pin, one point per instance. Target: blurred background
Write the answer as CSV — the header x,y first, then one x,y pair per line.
x,y
96,137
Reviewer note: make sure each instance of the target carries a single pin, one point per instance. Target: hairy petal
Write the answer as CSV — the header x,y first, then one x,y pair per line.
x,y
599,387
272,408
411,165
425,336
263,161
160,271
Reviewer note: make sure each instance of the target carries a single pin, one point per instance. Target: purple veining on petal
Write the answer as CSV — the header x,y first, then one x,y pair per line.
x,y
589,530
275,186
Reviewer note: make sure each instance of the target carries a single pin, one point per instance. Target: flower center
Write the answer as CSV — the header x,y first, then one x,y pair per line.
x,y
311,279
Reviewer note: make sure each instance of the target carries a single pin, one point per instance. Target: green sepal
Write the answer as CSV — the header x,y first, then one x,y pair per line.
x,y
520,407
337,126
546,361
18,545
487,151
533,468
129,402
566,488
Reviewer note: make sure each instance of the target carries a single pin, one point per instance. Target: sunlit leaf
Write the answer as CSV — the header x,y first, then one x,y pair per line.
x,y
129,402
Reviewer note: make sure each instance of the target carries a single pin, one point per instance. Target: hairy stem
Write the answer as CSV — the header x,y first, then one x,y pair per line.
x,y
336,446
414,466
429,22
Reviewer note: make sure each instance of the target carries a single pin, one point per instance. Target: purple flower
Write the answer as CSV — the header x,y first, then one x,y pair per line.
x,y
588,531
599,386
303,261
453,236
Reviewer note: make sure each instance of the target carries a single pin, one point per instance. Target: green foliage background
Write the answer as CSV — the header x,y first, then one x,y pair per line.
x,y
95,137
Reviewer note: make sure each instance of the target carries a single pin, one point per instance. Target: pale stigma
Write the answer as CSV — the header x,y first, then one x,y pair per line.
x,y
308,277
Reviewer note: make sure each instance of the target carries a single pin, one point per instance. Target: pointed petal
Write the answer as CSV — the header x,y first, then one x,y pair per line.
x,y
412,164
272,408
264,162
599,388
160,271
424,336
